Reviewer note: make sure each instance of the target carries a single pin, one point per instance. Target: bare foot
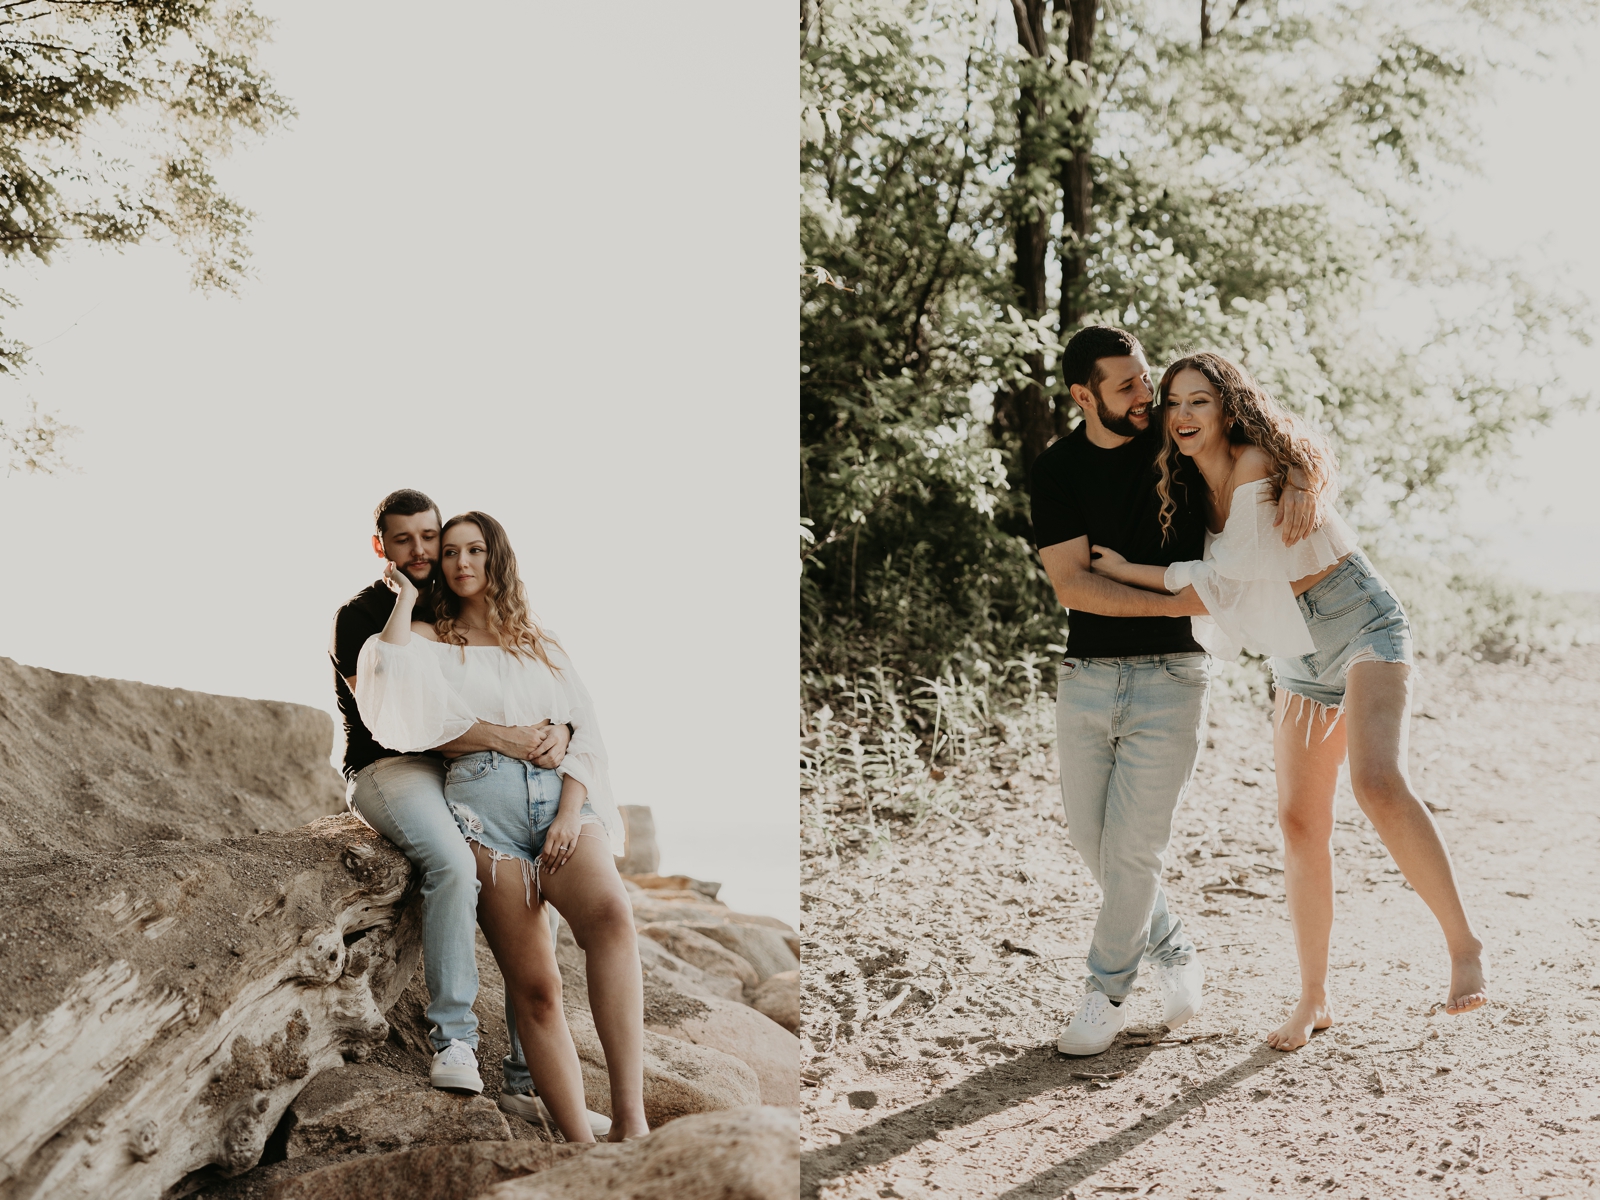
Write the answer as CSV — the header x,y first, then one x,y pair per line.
x,y
1308,1016
1468,988
617,1134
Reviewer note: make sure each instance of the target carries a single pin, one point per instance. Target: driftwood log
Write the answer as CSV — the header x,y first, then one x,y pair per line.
x,y
164,1005
176,973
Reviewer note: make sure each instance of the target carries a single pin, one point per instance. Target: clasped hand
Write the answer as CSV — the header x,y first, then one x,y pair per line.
x,y
544,744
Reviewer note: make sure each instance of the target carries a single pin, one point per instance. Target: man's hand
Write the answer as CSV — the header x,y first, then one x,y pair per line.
x,y
1079,589
1299,510
544,744
558,738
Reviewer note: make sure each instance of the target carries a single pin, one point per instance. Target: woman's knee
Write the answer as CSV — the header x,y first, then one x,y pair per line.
x,y
1380,789
1304,829
606,918
541,992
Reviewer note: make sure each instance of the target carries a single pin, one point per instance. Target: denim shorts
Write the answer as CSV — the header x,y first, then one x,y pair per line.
x,y
1353,617
507,806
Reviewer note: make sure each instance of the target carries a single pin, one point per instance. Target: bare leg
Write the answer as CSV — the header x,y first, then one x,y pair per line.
x,y
1308,773
1378,710
520,938
588,892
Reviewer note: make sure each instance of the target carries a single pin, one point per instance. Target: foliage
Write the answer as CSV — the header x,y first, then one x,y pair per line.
x,y
1265,194
896,749
33,444
1457,607
115,114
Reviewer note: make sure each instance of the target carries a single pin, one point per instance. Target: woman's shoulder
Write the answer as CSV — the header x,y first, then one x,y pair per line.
x,y
424,630
1252,465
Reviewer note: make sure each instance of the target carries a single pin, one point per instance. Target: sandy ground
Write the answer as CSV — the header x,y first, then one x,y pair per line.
x,y
959,1091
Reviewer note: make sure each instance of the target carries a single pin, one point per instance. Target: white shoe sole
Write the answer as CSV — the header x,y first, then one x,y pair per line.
x,y
1084,1049
456,1079
1187,1015
532,1110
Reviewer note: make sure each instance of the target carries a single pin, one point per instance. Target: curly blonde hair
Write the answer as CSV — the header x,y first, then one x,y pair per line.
x,y
1251,416
510,622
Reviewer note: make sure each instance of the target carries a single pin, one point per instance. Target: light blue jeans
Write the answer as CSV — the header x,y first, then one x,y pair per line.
x,y
403,799
1128,734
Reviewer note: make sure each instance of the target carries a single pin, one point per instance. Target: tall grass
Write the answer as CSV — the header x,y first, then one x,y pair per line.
x,y
884,747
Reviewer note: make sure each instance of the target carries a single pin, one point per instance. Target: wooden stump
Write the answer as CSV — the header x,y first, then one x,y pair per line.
x,y
166,1003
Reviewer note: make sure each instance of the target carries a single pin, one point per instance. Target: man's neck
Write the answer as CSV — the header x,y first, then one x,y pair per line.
x,y
1099,435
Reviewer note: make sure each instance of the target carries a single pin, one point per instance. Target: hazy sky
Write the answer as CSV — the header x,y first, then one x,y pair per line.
x,y
541,264
1537,197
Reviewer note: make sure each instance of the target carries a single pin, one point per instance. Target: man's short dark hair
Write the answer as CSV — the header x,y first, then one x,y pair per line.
x,y
407,502
1080,361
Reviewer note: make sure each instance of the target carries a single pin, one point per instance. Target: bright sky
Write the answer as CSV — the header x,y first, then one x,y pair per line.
x,y
1537,197
538,263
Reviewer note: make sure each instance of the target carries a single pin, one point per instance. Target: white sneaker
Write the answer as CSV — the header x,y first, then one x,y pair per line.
x,y
530,1107
455,1069
1182,990
1094,1026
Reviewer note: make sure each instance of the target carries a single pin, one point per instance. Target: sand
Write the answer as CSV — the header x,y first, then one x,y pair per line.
x,y
980,931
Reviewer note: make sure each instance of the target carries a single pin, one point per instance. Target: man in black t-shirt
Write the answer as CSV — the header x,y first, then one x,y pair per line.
x,y
402,797
1132,690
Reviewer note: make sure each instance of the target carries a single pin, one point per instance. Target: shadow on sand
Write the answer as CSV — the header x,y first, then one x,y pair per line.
x,y
1004,1086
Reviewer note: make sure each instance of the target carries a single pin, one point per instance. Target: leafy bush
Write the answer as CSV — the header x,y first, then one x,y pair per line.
x,y
1259,191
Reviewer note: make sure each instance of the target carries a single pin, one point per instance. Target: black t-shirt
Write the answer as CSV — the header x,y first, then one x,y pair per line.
x,y
1082,490
363,615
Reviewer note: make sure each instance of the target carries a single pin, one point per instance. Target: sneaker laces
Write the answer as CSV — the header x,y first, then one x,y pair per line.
x,y
458,1054
1095,1006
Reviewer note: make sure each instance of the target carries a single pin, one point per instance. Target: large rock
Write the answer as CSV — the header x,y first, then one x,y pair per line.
x,y
765,1047
779,999
175,997
674,972
650,907
102,764
763,947
676,884
746,1154
680,1077
640,854
457,1172
710,956
791,937
373,1109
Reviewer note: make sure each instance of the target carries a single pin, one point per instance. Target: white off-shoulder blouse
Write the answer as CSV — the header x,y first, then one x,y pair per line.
x,y
424,694
1244,578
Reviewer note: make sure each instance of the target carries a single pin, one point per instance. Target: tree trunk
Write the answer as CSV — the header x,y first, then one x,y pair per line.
x,y
1033,206
1077,178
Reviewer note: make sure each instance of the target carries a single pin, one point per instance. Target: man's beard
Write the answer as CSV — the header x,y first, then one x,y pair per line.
x,y
1122,426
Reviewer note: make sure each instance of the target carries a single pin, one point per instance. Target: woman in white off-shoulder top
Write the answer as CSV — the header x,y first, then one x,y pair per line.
x,y
484,659
1341,655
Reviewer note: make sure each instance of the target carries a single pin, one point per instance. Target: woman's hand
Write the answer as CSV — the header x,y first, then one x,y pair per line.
x,y
399,582
1105,561
560,840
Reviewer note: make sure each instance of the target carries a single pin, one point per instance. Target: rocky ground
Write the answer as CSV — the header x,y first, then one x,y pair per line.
x,y
939,970
208,996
